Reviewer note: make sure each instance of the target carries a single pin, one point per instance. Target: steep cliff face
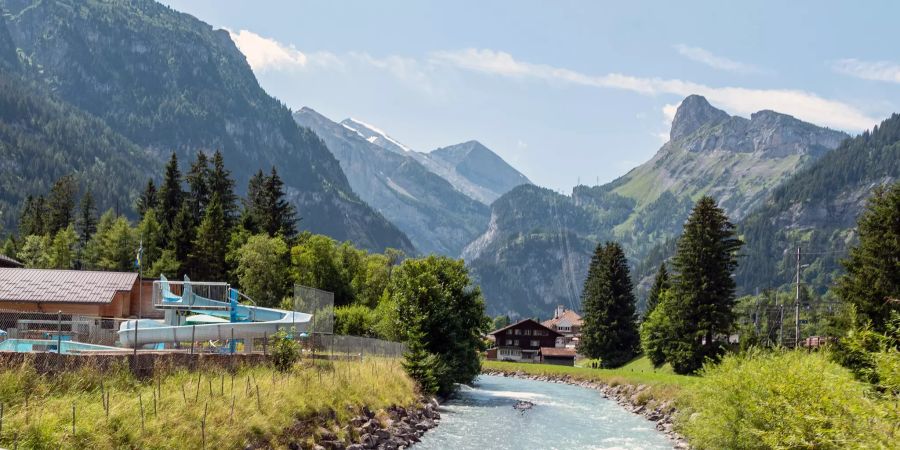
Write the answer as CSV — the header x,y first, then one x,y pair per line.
x,y
167,81
736,160
477,170
436,217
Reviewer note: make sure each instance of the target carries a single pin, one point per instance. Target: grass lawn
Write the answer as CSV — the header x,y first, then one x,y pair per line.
x,y
192,409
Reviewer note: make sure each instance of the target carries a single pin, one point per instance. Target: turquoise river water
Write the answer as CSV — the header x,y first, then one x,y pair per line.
x,y
563,417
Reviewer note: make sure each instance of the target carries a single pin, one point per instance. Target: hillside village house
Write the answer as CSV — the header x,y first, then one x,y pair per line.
x,y
522,341
568,324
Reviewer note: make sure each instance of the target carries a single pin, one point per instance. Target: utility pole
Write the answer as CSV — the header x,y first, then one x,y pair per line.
x,y
797,305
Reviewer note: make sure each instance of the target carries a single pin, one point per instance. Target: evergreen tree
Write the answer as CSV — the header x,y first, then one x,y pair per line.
x,y
609,331
34,252
254,203
419,364
87,218
872,281
31,222
221,184
171,196
149,234
660,284
181,238
266,209
198,185
149,199
211,244
281,218
703,287
61,204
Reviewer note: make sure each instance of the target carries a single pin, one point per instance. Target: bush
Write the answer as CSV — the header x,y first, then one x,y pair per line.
x,y
285,351
355,320
784,400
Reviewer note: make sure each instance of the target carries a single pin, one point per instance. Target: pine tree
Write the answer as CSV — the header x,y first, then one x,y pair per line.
x,y
221,184
266,209
703,287
150,236
254,203
609,330
198,185
418,363
660,284
31,222
211,244
171,196
87,218
181,238
281,216
61,204
872,281
149,199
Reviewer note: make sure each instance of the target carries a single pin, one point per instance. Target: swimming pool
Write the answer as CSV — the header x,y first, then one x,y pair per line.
x,y
47,345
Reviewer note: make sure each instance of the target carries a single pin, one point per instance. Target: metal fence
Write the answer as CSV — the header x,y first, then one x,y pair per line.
x,y
787,325
44,332
317,302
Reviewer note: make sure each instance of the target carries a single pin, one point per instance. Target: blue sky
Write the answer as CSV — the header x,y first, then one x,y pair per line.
x,y
565,90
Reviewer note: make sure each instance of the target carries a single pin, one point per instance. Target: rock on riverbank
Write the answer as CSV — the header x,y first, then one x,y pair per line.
x,y
628,396
395,428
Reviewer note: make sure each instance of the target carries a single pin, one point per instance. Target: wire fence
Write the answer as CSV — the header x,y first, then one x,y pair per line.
x,y
809,324
40,334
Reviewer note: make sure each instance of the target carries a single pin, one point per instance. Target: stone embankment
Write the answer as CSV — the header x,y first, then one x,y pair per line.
x,y
633,398
395,428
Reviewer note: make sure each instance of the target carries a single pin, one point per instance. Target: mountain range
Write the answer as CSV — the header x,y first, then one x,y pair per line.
x,y
164,81
107,90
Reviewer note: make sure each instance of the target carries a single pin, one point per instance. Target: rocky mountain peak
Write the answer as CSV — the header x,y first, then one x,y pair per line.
x,y
694,113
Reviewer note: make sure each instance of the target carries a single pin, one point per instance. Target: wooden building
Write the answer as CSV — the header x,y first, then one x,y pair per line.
x,y
559,356
82,292
523,340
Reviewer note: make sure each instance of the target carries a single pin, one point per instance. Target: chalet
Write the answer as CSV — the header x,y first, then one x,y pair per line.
x,y
568,324
559,356
522,341
82,292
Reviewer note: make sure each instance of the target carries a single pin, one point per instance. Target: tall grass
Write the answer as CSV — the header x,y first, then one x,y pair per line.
x,y
185,409
787,400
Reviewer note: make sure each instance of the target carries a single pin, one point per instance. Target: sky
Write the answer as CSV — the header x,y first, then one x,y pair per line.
x,y
567,92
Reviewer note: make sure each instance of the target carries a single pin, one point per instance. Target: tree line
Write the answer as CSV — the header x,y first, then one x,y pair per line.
x,y
194,224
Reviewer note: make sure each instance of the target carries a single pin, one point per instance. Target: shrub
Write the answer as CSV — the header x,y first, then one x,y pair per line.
x,y
784,400
355,320
285,351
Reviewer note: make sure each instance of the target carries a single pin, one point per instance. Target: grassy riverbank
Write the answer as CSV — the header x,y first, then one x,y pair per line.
x,y
760,400
200,409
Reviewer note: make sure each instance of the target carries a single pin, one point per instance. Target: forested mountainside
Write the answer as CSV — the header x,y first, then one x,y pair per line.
x,y
169,82
817,210
470,167
736,160
436,217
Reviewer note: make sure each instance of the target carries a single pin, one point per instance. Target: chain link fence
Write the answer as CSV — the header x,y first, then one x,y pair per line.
x,y
317,302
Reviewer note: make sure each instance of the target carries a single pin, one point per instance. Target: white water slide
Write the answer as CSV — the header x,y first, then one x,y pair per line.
x,y
246,321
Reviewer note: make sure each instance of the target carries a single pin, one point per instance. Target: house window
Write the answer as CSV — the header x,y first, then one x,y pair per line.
x,y
509,331
518,331
535,343
509,342
527,332
516,342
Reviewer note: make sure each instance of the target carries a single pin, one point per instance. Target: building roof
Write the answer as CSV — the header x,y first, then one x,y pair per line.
x,y
522,322
62,286
558,352
569,316
6,261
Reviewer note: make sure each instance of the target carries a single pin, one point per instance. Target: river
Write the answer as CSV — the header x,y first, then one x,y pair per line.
x,y
563,417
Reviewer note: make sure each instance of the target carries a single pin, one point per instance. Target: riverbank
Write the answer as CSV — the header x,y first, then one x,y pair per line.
x,y
652,395
318,404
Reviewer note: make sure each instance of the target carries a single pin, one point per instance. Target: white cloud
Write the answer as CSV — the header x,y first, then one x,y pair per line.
x,y
744,101
868,70
265,54
703,56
